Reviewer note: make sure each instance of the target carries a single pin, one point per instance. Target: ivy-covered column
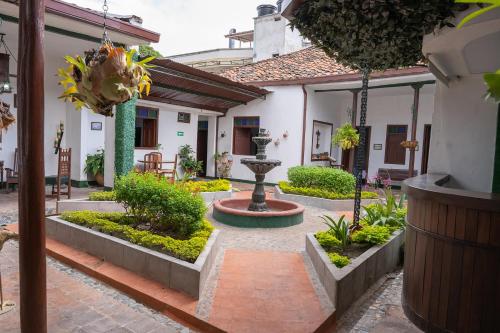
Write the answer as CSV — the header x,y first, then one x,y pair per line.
x,y
125,137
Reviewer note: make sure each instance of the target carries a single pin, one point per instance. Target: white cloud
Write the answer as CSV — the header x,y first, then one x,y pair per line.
x,y
186,25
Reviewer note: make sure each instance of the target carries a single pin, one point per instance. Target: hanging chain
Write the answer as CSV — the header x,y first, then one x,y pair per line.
x,y
105,8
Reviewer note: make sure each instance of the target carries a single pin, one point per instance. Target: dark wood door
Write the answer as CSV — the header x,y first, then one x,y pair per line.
x,y
425,149
202,150
394,152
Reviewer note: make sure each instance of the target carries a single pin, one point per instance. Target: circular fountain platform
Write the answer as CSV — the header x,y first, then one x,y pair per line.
x,y
280,214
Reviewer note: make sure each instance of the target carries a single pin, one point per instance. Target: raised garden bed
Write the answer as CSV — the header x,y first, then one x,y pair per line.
x,y
345,285
173,273
328,204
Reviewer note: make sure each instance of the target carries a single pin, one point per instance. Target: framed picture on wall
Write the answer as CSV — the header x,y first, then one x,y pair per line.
x,y
184,117
96,126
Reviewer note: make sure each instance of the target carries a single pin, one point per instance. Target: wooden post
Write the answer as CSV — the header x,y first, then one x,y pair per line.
x,y
30,92
354,116
414,119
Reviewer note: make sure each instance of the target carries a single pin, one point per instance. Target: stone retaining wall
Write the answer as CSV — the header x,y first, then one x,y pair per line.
x,y
328,204
345,285
173,273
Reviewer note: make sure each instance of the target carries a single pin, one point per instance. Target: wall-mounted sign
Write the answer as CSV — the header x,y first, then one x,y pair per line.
x,y
377,146
180,133
184,117
96,126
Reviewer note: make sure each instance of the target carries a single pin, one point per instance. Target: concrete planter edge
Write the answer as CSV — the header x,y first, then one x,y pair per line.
x,y
345,285
173,273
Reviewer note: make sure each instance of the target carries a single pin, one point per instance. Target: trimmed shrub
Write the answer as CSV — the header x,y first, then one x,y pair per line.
x,y
118,225
371,234
330,179
102,196
217,185
165,205
318,193
327,240
338,259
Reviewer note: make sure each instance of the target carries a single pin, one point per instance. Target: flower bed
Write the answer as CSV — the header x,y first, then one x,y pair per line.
x,y
343,252
148,259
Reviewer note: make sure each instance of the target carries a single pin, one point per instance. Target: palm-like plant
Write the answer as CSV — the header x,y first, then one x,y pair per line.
x,y
339,228
104,78
391,213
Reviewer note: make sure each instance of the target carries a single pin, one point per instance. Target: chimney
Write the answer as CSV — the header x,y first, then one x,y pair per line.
x,y
263,10
231,41
278,4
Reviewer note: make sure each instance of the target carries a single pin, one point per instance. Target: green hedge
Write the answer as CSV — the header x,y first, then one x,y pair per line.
x,y
372,234
119,225
161,203
319,193
217,185
102,196
338,259
329,179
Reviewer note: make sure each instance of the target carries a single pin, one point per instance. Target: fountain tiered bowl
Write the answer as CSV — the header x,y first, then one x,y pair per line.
x,y
258,211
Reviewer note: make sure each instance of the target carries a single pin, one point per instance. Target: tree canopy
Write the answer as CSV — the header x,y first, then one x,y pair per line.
x,y
148,51
374,34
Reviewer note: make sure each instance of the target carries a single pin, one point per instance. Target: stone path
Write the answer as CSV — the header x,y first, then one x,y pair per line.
x,y
78,303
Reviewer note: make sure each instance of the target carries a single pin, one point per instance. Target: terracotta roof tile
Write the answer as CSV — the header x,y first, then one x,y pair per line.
x,y
308,63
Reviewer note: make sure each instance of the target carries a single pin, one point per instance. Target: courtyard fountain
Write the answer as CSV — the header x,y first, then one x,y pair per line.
x,y
259,211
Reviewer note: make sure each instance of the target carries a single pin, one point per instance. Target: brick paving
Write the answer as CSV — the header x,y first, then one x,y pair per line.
x,y
265,291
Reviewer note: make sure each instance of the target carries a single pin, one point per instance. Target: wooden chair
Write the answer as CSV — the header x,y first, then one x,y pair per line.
x,y
169,173
63,174
152,162
12,175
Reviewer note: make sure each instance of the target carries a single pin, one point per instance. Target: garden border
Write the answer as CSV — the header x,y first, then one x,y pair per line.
x,y
173,273
328,204
345,285
113,206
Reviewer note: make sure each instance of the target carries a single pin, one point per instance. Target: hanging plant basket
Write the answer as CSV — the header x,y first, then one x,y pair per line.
x,y
6,117
409,144
346,137
104,78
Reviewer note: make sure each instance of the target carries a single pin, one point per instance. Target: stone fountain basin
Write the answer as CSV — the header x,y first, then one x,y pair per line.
x,y
281,214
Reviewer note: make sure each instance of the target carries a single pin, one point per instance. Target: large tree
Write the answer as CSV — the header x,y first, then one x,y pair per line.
x,y
371,35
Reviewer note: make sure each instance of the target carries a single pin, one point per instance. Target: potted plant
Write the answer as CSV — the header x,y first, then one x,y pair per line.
x,y
94,165
190,166
346,137
104,78
224,163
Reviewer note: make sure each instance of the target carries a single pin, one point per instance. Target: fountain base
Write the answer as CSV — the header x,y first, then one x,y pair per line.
x,y
279,213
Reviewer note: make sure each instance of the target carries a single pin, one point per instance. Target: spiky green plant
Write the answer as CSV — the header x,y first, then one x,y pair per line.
x,y
338,228
103,80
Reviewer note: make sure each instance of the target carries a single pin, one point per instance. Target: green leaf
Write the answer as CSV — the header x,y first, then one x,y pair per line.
x,y
493,82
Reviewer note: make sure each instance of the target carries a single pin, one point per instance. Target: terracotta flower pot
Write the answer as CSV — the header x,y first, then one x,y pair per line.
x,y
99,178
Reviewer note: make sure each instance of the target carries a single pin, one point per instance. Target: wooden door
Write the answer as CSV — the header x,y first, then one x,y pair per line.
x,y
425,149
202,149
394,152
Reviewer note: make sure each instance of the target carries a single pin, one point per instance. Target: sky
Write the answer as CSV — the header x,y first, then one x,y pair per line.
x,y
186,25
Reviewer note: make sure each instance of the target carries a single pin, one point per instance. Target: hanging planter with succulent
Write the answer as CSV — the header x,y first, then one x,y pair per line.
x,y
6,117
105,77
346,137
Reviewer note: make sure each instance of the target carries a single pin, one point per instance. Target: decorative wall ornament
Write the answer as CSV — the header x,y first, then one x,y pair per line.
x,y
318,134
285,134
277,142
6,117
223,134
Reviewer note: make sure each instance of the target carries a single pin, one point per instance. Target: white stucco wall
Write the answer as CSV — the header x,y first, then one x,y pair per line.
x,y
463,134
392,106
77,137
281,111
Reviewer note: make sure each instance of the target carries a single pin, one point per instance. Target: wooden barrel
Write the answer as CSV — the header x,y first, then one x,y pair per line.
x,y
452,257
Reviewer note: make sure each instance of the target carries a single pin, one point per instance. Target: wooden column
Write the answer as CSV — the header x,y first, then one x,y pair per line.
x,y
30,92
414,119
354,116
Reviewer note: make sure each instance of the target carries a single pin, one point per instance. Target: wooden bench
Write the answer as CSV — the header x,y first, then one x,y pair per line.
x,y
395,175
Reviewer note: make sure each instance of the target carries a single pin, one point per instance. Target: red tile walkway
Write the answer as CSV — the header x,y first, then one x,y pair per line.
x,y
265,291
